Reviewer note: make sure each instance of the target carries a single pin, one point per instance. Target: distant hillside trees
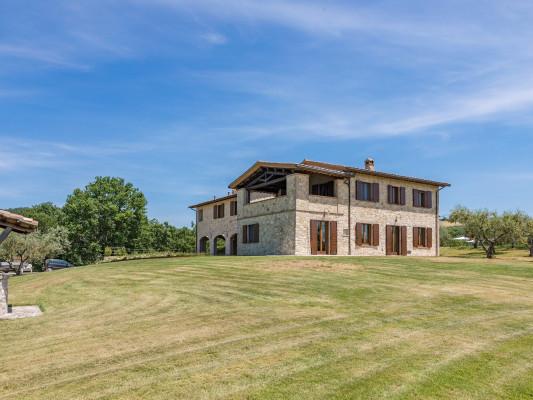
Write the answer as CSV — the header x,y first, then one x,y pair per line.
x,y
108,213
159,236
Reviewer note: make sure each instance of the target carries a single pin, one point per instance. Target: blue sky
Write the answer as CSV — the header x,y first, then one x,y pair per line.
x,y
181,96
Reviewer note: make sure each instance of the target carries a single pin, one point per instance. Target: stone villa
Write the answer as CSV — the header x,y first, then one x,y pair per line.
x,y
319,208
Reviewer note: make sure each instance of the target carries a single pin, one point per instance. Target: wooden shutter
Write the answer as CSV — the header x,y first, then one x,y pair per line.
x,y
256,233
389,194
358,234
388,240
333,237
221,211
403,240
429,200
314,236
415,198
416,239
215,210
375,192
402,196
429,238
375,235
358,190
245,233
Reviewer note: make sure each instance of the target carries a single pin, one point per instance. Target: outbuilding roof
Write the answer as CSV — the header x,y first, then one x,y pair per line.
x,y
17,222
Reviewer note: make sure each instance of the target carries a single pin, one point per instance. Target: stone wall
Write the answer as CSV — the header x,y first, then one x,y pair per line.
x,y
211,228
3,293
309,207
276,219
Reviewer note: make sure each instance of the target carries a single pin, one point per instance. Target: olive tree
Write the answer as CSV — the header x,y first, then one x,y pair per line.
x,y
487,227
528,235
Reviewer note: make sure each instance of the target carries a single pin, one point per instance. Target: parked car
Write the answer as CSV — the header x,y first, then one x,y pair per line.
x,y
26,267
53,263
5,267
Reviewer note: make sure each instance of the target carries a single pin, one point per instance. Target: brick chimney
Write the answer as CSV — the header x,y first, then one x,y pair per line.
x,y
369,164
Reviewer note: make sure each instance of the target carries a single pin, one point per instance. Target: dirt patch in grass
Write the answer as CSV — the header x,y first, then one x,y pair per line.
x,y
309,264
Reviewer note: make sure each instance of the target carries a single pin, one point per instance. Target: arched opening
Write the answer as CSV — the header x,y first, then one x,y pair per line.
x,y
204,245
233,245
220,245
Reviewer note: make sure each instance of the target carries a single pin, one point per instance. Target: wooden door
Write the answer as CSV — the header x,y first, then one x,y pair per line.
x,y
323,237
396,240
233,245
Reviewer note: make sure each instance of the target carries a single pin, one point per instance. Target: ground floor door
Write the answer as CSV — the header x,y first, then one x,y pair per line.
x,y
323,237
396,240
233,245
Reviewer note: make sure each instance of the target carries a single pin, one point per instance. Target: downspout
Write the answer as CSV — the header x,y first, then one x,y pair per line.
x,y
196,245
349,183
437,224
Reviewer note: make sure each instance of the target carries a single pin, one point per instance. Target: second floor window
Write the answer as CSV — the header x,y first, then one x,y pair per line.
x,y
233,208
367,191
396,195
422,198
323,189
200,215
218,211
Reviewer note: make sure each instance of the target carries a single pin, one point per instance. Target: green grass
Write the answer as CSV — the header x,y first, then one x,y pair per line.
x,y
274,328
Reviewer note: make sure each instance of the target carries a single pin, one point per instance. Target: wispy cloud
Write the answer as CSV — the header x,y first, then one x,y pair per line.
x,y
26,52
214,38
460,108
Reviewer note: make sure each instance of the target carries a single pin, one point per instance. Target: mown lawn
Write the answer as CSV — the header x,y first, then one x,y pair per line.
x,y
274,328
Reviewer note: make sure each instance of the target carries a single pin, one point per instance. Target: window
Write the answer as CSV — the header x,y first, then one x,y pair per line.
x,y
396,195
250,233
421,198
233,208
323,189
422,237
367,234
200,215
367,191
218,211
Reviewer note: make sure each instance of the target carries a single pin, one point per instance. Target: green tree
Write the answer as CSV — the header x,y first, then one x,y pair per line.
x,y
48,215
18,249
487,227
107,212
157,236
527,234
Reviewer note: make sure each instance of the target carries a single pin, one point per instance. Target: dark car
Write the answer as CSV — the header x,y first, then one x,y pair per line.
x,y
52,263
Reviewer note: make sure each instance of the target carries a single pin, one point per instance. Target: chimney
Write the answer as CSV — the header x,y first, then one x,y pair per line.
x,y
369,164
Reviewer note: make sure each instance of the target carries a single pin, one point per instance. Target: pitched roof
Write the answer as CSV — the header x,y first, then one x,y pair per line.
x,y
375,173
336,170
215,200
16,222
